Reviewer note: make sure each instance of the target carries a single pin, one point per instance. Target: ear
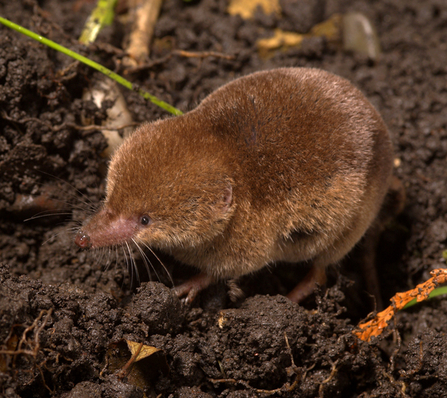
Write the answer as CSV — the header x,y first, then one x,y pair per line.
x,y
223,203
227,198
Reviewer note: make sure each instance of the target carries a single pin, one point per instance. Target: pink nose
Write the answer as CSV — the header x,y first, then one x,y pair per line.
x,y
82,240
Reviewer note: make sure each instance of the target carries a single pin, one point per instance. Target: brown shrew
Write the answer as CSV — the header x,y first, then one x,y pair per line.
x,y
286,165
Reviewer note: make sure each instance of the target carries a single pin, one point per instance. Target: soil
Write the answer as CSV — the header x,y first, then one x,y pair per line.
x,y
65,313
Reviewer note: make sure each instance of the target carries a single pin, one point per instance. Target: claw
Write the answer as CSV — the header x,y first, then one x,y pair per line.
x,y
193,286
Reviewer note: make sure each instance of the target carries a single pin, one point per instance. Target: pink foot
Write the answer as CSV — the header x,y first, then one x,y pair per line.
x,y
307,286
193,286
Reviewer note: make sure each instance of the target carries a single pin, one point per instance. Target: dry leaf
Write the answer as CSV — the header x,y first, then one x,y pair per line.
x,y
330,29
136,362
145,351
246,8
421,292
280,39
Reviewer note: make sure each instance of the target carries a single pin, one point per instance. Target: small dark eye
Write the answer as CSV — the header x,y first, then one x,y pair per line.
x,y
145,220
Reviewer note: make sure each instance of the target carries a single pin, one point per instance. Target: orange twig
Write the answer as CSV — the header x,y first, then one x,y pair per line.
x,y
375,326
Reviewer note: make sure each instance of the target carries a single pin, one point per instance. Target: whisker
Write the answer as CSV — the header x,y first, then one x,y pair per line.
x,y
143,256
146,261
108,254
161,263
66,183
53,236
72,196
116,254
40,215
101,256
99,261
132,265
130,271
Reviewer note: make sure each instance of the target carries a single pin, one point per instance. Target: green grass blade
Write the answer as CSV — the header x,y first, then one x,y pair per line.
x,y
90,63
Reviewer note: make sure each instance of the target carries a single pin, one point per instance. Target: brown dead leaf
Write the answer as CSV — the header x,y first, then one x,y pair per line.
x,y
330,29
247,8
140,364
145,351
280,39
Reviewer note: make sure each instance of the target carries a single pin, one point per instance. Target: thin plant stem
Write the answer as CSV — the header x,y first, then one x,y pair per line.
x,y
119,79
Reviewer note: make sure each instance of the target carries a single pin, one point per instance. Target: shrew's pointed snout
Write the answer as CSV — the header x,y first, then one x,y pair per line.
x,y
83,240
105,230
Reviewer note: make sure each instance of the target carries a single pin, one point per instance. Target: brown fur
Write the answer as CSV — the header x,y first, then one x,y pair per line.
x,y
284,165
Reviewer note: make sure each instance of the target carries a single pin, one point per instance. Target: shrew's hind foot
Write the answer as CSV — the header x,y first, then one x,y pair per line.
x,y
316,275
